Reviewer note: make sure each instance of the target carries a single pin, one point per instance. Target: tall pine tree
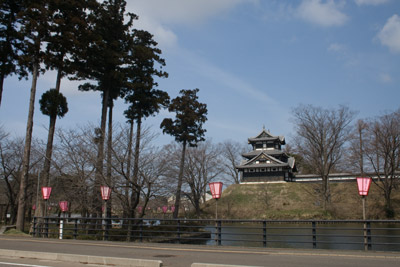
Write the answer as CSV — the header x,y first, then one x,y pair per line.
x,y
141,94
35,29
187,128
103,62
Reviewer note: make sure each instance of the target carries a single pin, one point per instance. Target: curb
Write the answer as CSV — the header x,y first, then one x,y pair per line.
x,y
81,258
217,265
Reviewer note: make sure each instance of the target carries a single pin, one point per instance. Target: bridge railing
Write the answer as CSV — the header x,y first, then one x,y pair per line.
x,y
324,234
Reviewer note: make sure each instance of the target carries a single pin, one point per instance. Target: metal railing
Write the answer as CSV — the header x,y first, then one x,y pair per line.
x,y
332,234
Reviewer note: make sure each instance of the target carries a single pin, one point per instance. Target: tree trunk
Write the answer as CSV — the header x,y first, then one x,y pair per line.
x,y
1,87
180,180
11,198
109,149
49,152
27,152
135,196
128,169
135,177
326,192
100,157
389,211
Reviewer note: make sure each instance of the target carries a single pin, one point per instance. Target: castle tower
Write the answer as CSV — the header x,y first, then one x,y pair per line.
x,y
266,162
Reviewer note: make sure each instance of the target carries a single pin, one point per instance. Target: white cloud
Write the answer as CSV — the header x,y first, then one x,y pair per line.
x,y
164,36
157,16
335,47
370,2
181,11
389,35
324,14
385,78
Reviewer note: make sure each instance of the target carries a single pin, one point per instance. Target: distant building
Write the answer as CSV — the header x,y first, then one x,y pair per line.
x,y
266,162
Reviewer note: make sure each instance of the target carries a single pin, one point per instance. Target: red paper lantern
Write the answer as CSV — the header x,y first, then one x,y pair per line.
x,y
63,206
46,191
164,209
172,208
105,192
140,208
216,189
363,185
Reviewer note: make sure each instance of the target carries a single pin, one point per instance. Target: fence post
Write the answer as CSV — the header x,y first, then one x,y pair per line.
x,y
76,228
218,233
46,227
314,234
264,234
34,226
141,230
178,231
367,236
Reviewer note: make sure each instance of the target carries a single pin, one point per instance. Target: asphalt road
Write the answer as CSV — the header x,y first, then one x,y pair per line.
x,y
185,255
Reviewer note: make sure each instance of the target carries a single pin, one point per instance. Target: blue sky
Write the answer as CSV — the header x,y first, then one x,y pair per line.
x,y
253,61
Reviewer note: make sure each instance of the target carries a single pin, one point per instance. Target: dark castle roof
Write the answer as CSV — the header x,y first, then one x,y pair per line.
x,y
266,136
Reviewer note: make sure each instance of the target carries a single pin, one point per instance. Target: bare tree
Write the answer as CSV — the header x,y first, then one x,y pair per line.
x,y
11,154
356,153
75,159
321,138
10,160
203,166
382,150
231,153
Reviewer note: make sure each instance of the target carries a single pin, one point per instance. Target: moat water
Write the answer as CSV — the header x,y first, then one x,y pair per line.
x,y
348,236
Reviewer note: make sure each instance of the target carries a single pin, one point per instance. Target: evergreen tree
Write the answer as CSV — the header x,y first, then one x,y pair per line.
x,y
187,128
67,26
52,104
34,29
103,62
10,39
140,92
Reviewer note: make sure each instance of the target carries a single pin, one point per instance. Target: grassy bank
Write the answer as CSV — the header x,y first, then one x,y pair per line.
x,y
299,201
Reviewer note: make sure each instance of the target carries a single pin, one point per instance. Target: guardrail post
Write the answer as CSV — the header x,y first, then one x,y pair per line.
x,y
264,234
76,228
314,234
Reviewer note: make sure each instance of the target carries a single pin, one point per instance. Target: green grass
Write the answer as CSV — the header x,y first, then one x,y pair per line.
x,y
298,201
15,232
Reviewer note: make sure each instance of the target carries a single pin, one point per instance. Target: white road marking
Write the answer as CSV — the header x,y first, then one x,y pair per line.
x,y
20,264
